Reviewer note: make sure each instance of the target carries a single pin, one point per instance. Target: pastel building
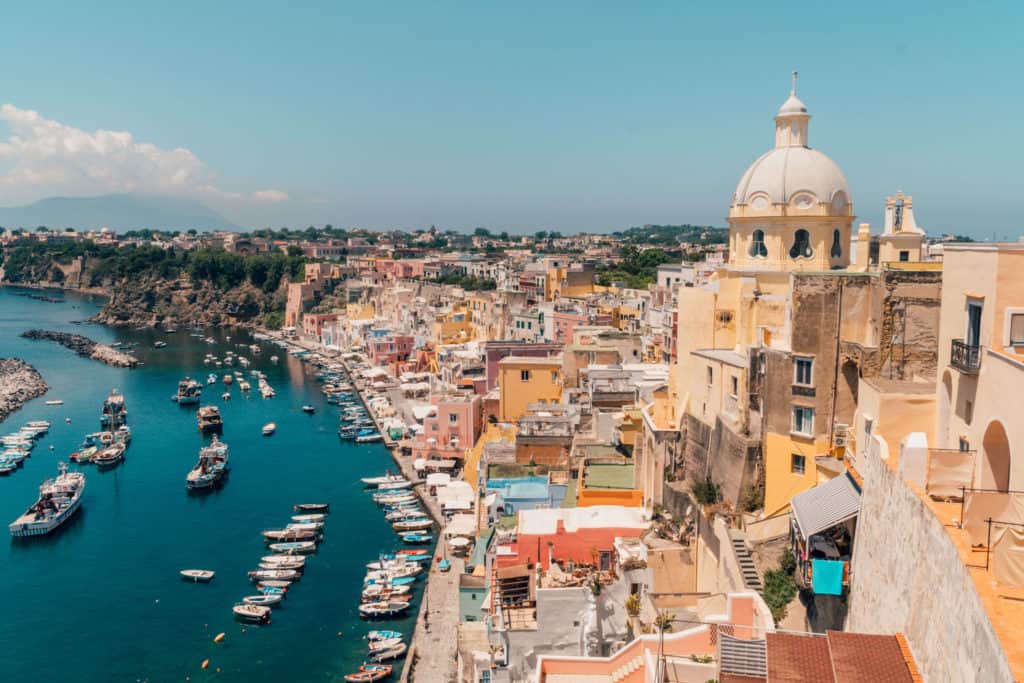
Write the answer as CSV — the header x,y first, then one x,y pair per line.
x,y
523,380
452,429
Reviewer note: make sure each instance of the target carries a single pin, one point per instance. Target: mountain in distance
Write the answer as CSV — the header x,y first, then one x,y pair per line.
x,y
118,212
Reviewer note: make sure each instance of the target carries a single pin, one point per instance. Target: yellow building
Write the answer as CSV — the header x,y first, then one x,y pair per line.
x,y
454,327
523,381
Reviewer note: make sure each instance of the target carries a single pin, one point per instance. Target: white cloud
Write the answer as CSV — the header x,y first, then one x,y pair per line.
x,y
42,158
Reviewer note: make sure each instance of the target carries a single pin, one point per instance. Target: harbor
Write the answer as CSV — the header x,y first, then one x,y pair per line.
x,y
139,526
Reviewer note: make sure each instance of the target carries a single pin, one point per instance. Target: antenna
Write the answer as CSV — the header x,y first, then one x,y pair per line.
x,y
793,89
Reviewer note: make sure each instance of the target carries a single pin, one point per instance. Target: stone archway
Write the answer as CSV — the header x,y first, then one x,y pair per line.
x,y
995,461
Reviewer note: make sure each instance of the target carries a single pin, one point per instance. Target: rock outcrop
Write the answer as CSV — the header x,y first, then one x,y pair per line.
x,y
85,347
19,384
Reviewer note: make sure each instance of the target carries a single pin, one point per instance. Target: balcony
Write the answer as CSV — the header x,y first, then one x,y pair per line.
x,y
965,358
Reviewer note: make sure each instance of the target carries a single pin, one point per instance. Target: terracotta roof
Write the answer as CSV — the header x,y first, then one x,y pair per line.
x,y
803,659
863,658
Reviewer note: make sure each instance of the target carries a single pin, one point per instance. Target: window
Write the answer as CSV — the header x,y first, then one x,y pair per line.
x,y
524,375
801,245
1016,329
711,375
554,376
452,418
797,464
735,386
757,247
803,420
837,245
803,371
904,255
965,445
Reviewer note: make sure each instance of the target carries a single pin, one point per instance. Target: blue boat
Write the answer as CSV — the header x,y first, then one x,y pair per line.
x,y
400,581
417,539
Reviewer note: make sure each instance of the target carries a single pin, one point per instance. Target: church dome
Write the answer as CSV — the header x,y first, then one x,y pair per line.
x,y
792,175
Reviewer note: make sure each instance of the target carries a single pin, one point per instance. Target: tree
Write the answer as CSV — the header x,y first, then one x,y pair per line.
x,y
481,232
541,234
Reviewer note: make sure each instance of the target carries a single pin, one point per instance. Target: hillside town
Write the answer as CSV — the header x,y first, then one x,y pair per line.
x,y
780,454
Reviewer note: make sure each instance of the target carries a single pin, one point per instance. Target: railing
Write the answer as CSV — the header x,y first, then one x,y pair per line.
x,y
964,357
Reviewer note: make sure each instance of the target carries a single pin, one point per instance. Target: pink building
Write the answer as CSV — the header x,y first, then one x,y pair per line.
x,y
451,430
564,322
390,349
313,324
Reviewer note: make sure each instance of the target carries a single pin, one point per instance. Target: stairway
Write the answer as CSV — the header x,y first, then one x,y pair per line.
x,y
627,669
751,579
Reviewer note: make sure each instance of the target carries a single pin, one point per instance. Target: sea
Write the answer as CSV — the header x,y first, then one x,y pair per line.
x,y
101,599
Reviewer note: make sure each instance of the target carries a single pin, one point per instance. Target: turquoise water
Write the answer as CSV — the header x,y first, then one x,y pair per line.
x,y
101,600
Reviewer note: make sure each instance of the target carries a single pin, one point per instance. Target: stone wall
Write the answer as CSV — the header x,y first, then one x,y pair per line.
x,y
907,577
730,458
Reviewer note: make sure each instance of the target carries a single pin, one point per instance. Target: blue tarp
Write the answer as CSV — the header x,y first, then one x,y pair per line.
x,y
827,577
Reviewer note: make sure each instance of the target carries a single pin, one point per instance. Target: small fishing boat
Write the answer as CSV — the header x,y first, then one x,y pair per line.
x,y
197,575
189,392
266,600
268,590
414,538
159,344
274,574
306,526
54,402
274,583
386,644
208,420
383,635
391,653
289,535
308,409
269,428
211,468
396,485
293,547
382,591
283,560
226,396
294,566
7,466
413,524
109,457
258,613
392,498
387,477
366,676
369,438
389,608
313,507
309,518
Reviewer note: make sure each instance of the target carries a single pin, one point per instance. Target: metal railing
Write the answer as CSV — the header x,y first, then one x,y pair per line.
x,y
965,357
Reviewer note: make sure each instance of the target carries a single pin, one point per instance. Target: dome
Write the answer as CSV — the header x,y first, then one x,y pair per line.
x,y
793,105
800,175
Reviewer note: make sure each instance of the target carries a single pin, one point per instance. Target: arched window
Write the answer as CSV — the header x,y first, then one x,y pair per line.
x,y
837,247
757,247
801,245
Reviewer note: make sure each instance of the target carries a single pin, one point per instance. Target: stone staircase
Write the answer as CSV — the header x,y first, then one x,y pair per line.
x,y
627,669
751,579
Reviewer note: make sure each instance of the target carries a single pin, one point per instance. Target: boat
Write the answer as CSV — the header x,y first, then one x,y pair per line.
x,y
384,644
269,590
7,466
189,392
294,547
159,344
377,591
391,498
208,420
54,402
308,409
385,608
444,566
211,378
391,653
391,572
114,412
59,499
84,455
211,468
228,379
387,477
110,456
274,574
312,507
290,535
383,635
259,613
269,428
369,438
284,560
415,538
197,575
266,600
395,485
413,524
366,676
309,518
274,583
305,526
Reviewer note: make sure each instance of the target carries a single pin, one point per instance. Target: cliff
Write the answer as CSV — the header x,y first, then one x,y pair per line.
x,y
19,384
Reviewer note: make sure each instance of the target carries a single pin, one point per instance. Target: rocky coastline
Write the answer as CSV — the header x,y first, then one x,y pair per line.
x,y
19,384
85,347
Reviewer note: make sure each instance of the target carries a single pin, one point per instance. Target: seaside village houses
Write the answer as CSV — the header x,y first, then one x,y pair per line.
x,y
795,459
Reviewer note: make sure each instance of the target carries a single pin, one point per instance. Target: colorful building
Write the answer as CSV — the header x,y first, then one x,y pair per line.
x,y
523,380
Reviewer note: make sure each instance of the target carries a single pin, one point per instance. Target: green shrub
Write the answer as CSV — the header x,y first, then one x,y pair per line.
x,y
779,591
706,491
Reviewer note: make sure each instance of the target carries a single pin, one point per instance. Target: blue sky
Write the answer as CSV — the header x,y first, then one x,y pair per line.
x,y
521,116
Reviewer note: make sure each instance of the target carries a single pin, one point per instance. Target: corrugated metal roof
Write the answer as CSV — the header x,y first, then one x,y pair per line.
x,y
826,505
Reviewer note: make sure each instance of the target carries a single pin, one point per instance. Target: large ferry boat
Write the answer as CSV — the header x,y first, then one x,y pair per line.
x,y
189,392
115,412
211,468
59,498
208,420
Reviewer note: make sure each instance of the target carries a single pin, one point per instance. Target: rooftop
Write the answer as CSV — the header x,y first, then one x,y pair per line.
x,y
542,361
602,476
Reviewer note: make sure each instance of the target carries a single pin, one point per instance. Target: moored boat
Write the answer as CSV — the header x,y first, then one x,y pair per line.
x,y
110,456
413,524
259,613
59,499
269,428
309,518
388,608
208,420
189,392
197,575
313,507
383,635
211,468
301,547
115,412
266,600
261,575
289,535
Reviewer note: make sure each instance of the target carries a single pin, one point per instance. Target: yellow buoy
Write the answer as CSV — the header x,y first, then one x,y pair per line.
x,y
206,663
220,637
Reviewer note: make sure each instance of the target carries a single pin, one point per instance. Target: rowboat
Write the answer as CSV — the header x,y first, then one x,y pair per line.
x,y
388,608
416,538
381,591
289,535
251,612
278,565
293,547
266,600
394,485
391,653
309,518
308,409
197,575
272,583
282,574
313,507
269,428
379,645
366,676
407,514
283,559
305,526
413,524
375,481
383,635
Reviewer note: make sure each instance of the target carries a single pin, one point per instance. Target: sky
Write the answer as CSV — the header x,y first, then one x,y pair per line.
x,y
517,116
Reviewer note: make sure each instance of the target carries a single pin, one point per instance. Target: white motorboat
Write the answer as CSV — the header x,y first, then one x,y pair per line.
x,y
198,575
55,402
309,518
377,481
301,547
298,560
265,600
269,428
251,612
275,574
413,524
391,653
397,485
306,526
59,499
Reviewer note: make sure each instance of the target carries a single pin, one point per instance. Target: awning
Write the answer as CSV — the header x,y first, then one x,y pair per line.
x,y
826,505
421,412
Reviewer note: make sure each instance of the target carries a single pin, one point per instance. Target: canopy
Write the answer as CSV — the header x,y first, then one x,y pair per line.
x,y
826,505
438,479
376,372
450,505
461,525
422,412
